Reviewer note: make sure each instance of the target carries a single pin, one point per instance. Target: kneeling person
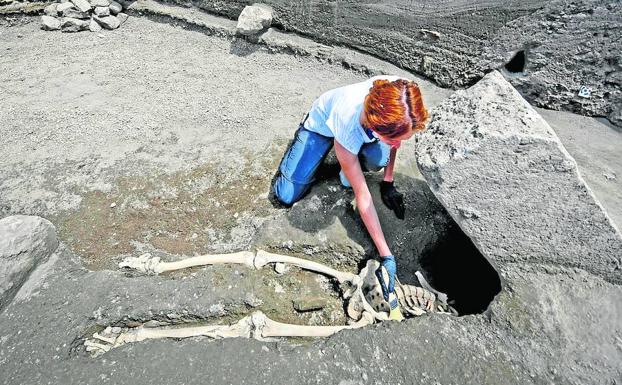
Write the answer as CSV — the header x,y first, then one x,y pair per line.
x,y
366,123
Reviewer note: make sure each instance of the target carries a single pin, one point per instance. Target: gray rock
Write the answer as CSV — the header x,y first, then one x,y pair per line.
x,y
503,175
50,23
25,242
99,3
94,26
107,22
75,14
82,5
254,19
115,7
70,24
51,10
616,116
102,11
122,18
60,8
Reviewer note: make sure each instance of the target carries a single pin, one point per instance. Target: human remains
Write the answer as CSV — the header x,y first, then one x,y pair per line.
x,y
362,292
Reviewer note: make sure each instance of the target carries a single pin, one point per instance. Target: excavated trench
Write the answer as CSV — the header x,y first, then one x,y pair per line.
x,y
183,212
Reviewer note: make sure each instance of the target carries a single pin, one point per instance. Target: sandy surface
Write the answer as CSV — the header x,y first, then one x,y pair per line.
x,y
154,138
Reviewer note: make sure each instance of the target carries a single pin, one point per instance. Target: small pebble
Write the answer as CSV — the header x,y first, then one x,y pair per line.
x,y
609,176
113,205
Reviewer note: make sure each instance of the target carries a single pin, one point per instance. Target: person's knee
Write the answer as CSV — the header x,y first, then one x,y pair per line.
x,y
375,163
371,166
285,191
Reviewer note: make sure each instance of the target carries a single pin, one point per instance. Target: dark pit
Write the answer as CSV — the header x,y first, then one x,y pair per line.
x,y
516,65
456,267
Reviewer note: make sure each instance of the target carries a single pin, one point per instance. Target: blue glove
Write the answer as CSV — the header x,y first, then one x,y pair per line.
x,y
390,266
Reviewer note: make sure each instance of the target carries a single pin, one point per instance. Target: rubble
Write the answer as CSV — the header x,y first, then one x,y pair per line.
x,y
50,10
82,5
102,11
122,18
107,22
70,24
99,3
75,14
50,23
94,26
83,15
115,7
62,6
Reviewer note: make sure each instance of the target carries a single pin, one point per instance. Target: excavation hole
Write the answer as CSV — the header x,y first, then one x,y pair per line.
x,y
516,65
454,265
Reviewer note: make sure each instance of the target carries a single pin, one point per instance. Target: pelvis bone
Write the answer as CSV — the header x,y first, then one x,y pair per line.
x,y
365,302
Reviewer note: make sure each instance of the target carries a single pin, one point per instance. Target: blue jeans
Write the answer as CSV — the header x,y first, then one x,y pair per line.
x,y
304,156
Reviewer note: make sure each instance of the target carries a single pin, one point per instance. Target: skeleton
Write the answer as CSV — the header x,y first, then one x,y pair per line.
x,y
365,302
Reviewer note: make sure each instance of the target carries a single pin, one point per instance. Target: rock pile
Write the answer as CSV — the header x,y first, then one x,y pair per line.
x,y
83,15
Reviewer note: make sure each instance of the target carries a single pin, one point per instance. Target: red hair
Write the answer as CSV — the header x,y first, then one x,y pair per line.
x,y
394,108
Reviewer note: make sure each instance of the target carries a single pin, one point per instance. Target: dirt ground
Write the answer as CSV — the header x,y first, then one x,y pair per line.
x,y
152,138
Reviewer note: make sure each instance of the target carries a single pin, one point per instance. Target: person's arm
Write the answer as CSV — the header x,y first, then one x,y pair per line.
x,y
388,170
352,169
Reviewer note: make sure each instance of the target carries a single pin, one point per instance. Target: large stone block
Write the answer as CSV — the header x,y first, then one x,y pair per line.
x,y
504,176
25,242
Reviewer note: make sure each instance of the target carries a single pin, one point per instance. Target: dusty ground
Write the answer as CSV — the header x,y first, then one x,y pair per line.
x,y
154,138
567,43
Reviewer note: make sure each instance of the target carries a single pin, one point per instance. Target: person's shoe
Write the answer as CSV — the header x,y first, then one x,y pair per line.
x,y
344,180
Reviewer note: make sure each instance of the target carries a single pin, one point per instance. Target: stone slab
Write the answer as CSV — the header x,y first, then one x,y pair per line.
x,y
504,176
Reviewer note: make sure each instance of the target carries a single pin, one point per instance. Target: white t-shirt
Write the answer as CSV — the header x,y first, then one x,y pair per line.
x,y
336,114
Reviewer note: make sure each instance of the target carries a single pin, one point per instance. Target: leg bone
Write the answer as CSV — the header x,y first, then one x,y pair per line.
x,y
153,265
277,329
257,326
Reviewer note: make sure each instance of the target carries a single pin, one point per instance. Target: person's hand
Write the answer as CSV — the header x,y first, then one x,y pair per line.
x,y
392,198
390,266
